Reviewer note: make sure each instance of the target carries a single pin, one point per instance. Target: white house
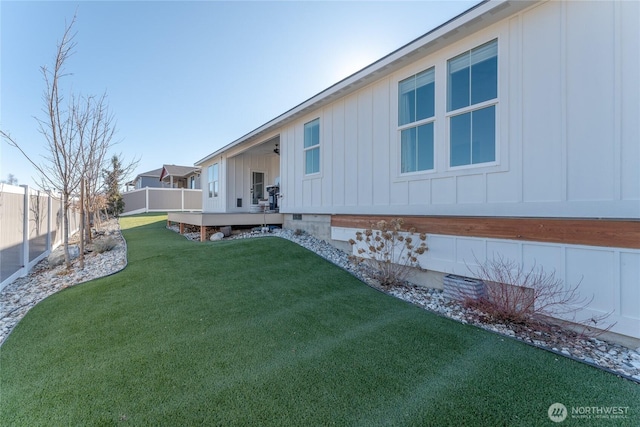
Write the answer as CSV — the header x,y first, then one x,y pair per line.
x,y
511,130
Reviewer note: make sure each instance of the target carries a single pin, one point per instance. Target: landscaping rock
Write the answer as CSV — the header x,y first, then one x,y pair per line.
x,y
56,257
216,236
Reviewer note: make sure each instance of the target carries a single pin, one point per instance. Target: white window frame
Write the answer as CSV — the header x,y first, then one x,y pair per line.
x,y
315,147
473,107
416,124
213,175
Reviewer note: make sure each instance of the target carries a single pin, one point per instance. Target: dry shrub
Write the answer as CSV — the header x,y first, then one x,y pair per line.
x,y
533,296
388,250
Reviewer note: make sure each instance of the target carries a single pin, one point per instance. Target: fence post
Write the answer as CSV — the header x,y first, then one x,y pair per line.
x,y
182,207
25,232
49,221
146,201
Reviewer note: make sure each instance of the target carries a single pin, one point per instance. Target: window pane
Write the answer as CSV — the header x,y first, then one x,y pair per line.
x,y
484,72
425,147
312,133
416,149
484,135
408,150
460,134
425,104
215,172
406,101
312,161
473,76
458,89
425,94
416,97
316,160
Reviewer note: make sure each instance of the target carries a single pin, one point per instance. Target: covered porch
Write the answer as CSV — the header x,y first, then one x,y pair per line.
x,y
217,220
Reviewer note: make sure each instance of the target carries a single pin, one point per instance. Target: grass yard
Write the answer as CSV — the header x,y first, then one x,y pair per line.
x,y
263,332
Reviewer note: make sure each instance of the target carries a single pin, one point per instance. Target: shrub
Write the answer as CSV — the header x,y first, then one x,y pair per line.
x,y
532,296
388,250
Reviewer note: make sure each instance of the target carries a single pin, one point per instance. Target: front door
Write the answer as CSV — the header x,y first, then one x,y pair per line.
x,y
257,187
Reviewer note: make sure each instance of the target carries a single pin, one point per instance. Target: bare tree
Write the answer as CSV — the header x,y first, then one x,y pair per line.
x,y
61,172
96,129
62,168
79,134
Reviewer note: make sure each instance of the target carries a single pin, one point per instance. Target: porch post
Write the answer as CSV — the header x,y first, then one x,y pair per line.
x,y
203,233
182,228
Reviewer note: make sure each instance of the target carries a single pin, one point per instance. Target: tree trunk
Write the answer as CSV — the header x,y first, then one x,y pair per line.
x,y
82,224
65,221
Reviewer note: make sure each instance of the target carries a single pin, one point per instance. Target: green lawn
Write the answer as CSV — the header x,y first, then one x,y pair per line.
x,y
263,332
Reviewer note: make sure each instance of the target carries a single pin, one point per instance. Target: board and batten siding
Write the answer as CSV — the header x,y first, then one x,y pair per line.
x,y
567,128
214,204
235,180
567,146
239,171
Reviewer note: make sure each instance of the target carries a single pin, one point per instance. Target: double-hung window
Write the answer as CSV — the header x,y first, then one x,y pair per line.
x,y
213,180
312,147
472,95
416,115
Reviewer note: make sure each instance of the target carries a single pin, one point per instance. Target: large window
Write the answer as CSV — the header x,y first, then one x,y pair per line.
x,y
312,147
472,94
213,180
416,114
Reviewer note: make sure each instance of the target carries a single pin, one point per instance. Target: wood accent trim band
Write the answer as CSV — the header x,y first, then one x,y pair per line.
x,y
617,233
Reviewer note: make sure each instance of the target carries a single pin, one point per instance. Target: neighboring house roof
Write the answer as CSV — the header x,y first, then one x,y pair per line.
x,y
153,174
177,171
479,16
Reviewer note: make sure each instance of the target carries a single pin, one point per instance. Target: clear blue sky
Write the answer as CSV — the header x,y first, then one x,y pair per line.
x,y
186,78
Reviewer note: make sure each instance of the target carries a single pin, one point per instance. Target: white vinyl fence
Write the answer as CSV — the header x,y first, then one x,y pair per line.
x,y
161,200
30,228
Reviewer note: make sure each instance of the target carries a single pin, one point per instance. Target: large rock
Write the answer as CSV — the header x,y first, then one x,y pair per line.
x,y
57,256
216,236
